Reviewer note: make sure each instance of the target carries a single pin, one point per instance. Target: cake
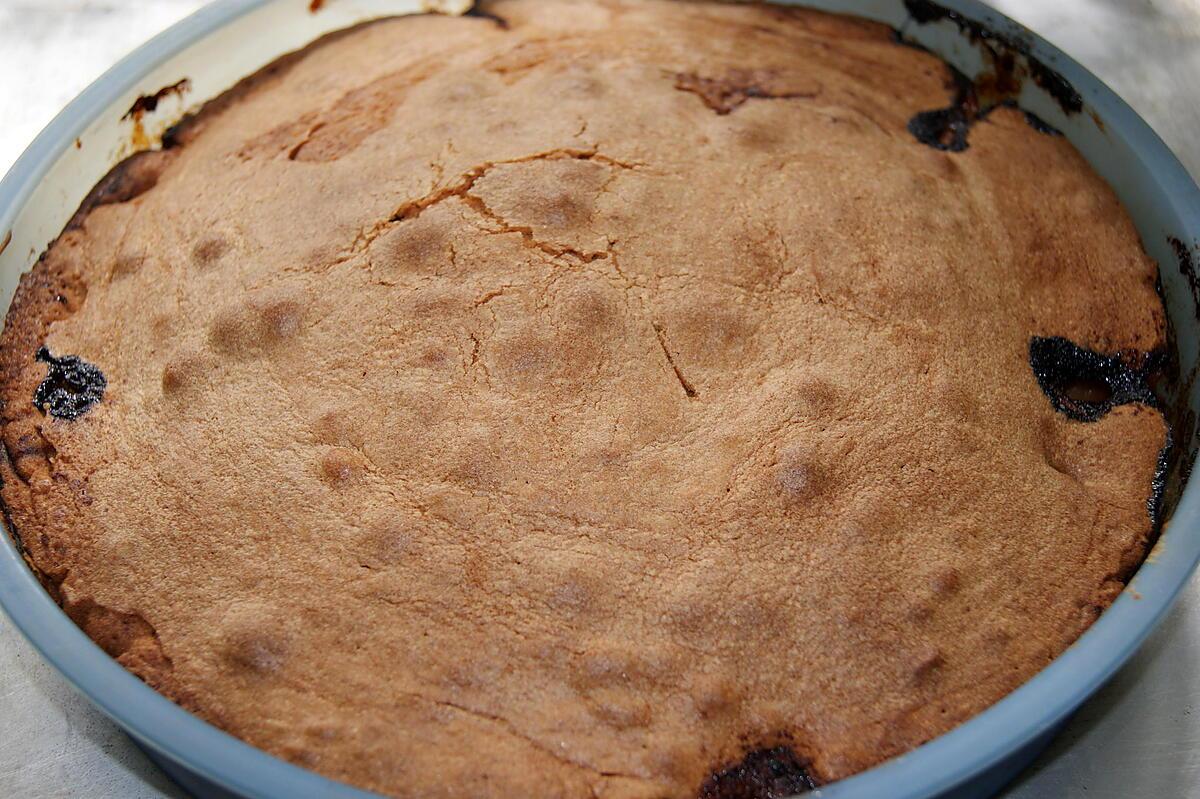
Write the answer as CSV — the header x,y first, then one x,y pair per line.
x,y
611,398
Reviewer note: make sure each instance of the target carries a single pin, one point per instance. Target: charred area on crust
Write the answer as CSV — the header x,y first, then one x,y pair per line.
x,y
1187,268
763,772
1009,54
1041,125
1085,385
72,386
1008,60
774,773
126,181
149,102
946,128
475,12
1058,87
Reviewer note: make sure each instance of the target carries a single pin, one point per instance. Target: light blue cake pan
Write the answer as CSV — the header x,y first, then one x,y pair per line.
x,y
231,39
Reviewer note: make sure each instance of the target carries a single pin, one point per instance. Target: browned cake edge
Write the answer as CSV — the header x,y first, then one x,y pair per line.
x,y
53,289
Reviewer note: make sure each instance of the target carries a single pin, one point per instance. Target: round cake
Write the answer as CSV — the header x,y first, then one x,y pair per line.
x,y
611,398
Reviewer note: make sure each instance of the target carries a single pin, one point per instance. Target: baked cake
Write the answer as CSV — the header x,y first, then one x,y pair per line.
x,y
616,398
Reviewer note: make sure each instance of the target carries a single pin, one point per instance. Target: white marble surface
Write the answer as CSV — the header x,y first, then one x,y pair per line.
x,y
1140,737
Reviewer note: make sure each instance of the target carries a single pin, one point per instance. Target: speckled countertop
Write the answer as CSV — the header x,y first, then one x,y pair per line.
x,y
1139,737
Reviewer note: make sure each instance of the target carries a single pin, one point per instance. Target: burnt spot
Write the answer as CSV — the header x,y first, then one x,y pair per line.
x,y
946,128
176,135
942,129
774,773
1011,55
897,36
126,181
476,12
1187,268
1084,384
1041,125
1055,85
1008,61
148,103
1185,468
1158,485
924,12
71,387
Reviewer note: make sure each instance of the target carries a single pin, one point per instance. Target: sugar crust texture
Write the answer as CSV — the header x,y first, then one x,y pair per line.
x,y
570,407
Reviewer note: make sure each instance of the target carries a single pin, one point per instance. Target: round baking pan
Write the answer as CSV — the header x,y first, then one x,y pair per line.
x,y
213,49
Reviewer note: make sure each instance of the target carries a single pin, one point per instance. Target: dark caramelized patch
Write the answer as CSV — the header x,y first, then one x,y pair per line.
x,y
1084,384
1056,85
1187,268
71,387
925,12
942,128
1009,55
126,181
946,128
762,774
1088,390
1007,62
192,122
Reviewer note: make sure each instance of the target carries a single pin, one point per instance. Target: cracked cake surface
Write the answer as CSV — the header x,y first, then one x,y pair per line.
x,y
604,399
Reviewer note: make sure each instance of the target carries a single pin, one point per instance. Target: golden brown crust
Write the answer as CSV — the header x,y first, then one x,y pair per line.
x,y
570,407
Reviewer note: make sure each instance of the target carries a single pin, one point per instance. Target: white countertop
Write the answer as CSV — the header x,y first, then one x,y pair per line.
x,y
1139,737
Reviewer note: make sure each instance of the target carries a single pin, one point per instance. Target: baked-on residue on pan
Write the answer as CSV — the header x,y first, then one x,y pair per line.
x,y
590,399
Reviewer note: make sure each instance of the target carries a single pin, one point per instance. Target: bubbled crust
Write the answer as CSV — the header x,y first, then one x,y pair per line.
x,y
567,408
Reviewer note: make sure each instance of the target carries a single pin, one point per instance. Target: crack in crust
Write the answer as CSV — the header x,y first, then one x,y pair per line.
x,y
461,190
512,730
685,384
414,208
